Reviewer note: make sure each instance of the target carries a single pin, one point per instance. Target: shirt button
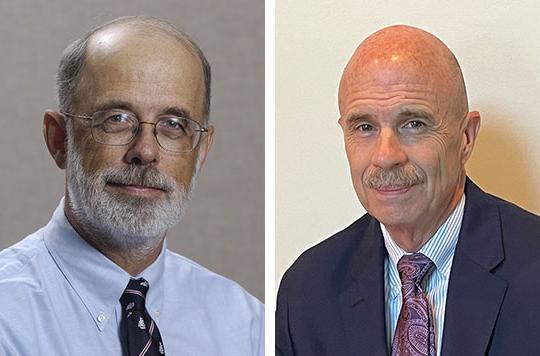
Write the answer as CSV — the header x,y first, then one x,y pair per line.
x,y
101,318
157,313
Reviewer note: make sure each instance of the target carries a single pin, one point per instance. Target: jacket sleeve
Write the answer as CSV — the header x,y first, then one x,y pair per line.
x,y
284,345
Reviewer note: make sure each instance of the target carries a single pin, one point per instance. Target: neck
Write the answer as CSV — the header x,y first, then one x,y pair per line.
x,y
133,262
408,238
412,237
133,266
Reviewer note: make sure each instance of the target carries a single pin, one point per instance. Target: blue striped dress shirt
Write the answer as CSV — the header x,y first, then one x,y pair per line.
x,y
440,249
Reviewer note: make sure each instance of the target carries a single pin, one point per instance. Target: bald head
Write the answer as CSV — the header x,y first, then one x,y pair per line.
x,y
405,55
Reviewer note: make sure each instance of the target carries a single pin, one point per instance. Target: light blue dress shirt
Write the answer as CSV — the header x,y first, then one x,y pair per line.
x,y
60,296
440,249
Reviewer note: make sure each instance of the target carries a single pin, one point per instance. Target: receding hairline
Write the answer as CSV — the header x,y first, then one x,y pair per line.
x,y
147,25
75,55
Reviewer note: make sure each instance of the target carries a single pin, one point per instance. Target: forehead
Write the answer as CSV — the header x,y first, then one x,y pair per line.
x,y
140,67
385,88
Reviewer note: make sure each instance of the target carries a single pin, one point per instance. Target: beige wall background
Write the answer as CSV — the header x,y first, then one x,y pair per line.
x,y
224,226
498,46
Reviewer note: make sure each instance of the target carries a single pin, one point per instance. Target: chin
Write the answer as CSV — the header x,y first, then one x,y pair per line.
x,y
394,216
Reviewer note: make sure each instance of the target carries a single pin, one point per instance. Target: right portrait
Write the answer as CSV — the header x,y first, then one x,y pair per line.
x,y
407,178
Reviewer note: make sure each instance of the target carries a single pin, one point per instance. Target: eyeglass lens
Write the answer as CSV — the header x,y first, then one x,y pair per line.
x,y
173,133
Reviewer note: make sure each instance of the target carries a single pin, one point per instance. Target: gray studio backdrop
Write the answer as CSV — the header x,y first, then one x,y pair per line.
x,y
224,225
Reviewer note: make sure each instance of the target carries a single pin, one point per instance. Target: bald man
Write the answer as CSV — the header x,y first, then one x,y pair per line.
x,y
436,266
132,133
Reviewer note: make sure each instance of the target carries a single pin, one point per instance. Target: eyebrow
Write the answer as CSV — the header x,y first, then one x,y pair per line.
x,y
403,114
124,105
410,113
177,111
114,104
355,117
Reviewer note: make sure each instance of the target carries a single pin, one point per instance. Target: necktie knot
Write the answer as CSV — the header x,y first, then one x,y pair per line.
x,y
135,295
413,269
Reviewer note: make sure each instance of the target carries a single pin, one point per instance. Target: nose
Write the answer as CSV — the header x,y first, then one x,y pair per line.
x,y
144,149
388,151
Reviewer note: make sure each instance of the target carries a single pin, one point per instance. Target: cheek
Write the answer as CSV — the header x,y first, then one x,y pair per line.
x,y
451,156
98,157
359,160
93,155
180,168
440,158
358,156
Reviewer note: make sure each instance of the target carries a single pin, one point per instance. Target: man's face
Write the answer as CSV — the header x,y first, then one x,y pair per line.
x,y
404,143
136,189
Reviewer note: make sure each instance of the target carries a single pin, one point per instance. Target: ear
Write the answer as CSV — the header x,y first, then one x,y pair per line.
x,y
54,132
470,132
206,144
341,122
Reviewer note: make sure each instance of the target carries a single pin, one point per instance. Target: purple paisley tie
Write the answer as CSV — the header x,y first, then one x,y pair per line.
x,y
414,334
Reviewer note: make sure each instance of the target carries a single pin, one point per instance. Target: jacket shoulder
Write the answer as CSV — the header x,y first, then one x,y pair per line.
x,y
512,211
328,257
520,229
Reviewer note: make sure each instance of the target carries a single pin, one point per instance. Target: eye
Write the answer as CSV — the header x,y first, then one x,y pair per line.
x,y
172,123
114,121
174,126
112,117
414,124
117,118
364,128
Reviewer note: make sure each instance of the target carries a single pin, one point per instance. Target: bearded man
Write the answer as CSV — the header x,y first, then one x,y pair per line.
x,y
132,133
436,266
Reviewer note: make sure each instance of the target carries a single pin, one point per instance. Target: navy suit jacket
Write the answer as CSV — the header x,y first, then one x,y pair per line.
x,y
331,301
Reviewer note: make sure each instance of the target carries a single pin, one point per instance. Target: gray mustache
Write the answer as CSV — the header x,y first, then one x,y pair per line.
x,y
397,177
134,175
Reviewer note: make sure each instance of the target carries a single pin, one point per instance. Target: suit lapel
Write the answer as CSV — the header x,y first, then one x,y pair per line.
x,y
362,301
475,294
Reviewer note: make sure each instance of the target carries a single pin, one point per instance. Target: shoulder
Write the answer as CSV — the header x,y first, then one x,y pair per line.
x,y
209,289
20,262
516,223
233,318
512,214
334,249
23,270
514,231
326,261
480,205
520,232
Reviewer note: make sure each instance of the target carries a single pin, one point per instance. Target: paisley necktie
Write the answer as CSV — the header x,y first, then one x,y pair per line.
x,y
414,334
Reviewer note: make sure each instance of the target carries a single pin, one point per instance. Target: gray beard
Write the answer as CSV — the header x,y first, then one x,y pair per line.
x,y
130,226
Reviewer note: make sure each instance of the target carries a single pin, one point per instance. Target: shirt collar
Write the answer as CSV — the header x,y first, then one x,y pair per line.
x,y
439,248
97,280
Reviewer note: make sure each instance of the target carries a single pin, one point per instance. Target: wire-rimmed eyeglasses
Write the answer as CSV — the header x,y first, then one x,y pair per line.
x,y
119,128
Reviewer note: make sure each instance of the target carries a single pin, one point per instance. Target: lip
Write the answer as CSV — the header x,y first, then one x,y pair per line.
x,y
137,190
393,191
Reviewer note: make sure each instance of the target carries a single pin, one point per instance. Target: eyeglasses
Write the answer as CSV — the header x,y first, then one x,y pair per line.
x,y
119,128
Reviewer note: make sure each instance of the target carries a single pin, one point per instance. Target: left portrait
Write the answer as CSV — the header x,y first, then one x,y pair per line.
x,y
132,218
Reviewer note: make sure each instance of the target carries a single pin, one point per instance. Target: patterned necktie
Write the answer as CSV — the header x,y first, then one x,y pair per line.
x,y
414,334
143,336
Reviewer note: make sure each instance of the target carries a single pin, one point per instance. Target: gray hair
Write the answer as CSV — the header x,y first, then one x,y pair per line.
x,y
73,59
